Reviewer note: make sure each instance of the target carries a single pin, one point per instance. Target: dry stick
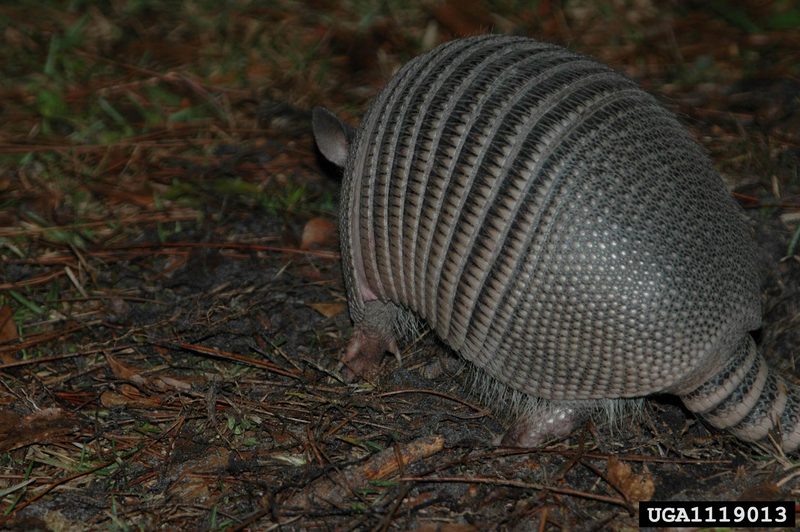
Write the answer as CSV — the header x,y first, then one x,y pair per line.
x,y
600,456
314,447
55,358
543,522
32,281
39,360
231,245
174,249
387,520
525,485
333,488
225,355
168,76
177,215
574,459
482,412
41,338
146,140
255,516
521,484
338,427
603,476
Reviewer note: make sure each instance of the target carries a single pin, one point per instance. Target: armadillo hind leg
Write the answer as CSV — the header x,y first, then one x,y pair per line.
x,y
536,420
373,336
748,399
539,420
549,420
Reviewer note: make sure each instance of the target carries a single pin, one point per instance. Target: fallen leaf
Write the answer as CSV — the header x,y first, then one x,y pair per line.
x,y
175,263
111,399
124,372
635,487
464,17
8,328
42,426
194,476
328,310
8,332
318,233
763,491
157,382
171,383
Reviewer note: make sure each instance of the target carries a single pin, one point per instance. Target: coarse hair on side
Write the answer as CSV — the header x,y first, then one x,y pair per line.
x,y
510,404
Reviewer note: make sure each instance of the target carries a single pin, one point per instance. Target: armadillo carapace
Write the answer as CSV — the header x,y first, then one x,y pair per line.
x,y
558,228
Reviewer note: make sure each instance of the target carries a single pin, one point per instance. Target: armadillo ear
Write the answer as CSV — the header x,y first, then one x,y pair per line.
x,y
332,135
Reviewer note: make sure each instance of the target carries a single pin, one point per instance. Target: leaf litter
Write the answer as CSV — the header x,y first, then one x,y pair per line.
x,y
171,304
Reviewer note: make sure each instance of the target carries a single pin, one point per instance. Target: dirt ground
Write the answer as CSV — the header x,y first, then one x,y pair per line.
x,y
172,311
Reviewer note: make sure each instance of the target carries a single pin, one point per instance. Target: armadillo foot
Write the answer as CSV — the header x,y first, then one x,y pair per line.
x,y
552,420
364,353
372,337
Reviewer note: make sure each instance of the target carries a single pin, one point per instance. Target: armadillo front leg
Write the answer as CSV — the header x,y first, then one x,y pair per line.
x,y
373,336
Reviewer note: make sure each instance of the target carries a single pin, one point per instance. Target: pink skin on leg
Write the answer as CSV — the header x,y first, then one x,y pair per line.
x,y
552,421
364,354
372,336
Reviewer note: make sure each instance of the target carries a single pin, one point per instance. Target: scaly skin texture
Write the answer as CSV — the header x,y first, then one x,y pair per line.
x,y
747,398
558,228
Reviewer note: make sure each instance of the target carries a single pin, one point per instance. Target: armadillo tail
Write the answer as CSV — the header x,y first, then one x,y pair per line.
x,y
748,399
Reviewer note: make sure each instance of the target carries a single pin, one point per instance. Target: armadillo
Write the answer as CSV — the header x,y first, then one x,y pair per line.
x,y
557,227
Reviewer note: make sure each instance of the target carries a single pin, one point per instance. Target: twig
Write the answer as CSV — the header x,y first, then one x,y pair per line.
x,y
32,281
230,245
525,485
225,355
41,338
482,412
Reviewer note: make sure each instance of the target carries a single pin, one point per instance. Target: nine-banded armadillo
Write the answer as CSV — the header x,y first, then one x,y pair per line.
x,y
558,228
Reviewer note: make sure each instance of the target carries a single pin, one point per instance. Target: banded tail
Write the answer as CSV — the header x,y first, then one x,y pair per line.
x,y
747,398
